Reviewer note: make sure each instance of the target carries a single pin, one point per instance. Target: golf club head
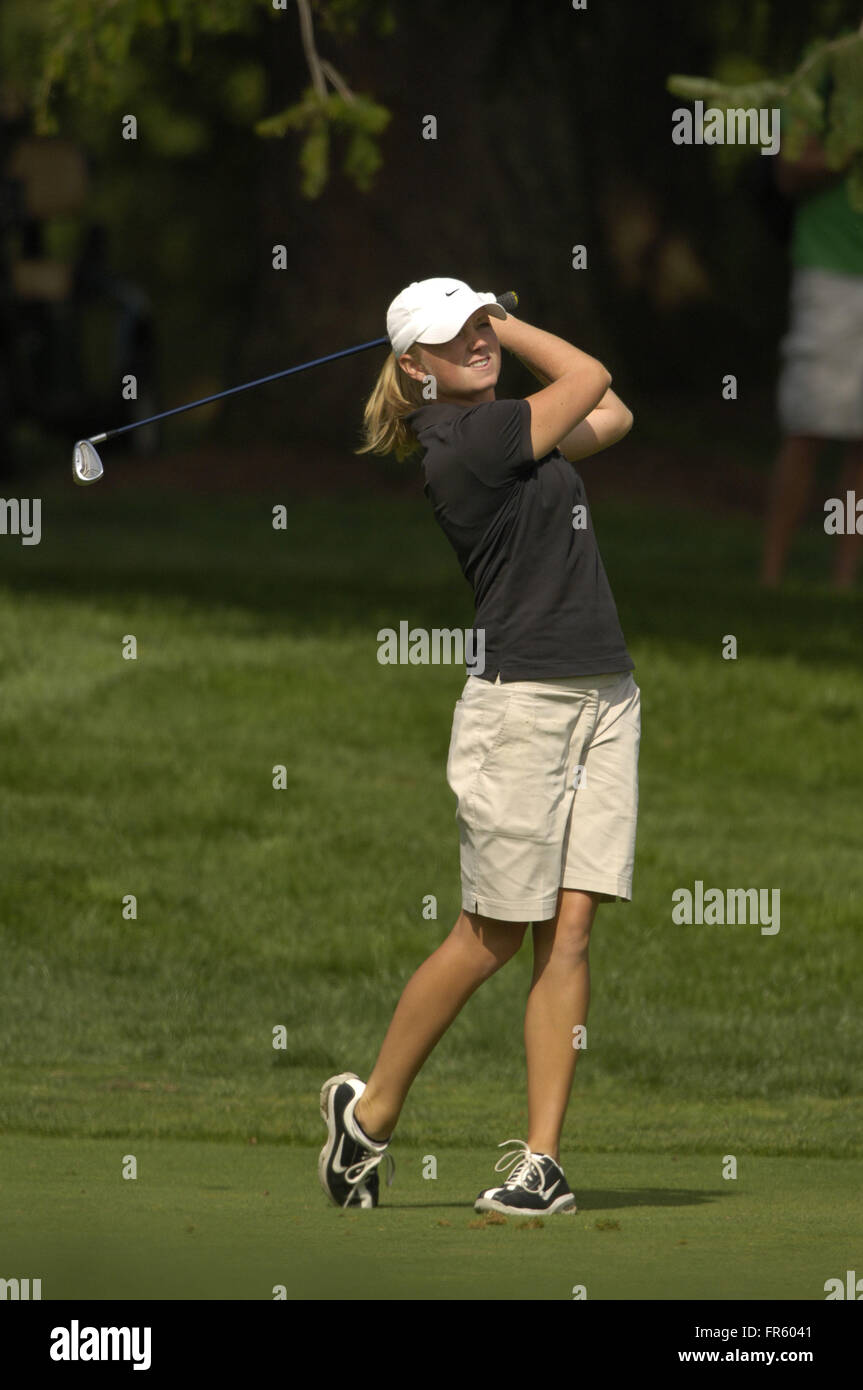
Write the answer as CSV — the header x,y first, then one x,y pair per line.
x,y
86,463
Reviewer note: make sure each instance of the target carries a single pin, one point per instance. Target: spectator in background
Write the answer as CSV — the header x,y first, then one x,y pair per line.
x,y
820,391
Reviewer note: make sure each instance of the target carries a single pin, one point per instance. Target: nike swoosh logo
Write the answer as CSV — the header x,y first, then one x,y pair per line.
x,y
447,293
339,1167
549,1191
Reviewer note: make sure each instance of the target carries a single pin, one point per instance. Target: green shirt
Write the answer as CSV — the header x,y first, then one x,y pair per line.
x,y
827,233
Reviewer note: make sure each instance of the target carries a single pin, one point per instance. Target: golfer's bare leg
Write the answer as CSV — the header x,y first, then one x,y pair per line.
x,y
849,546
475,948
788,500
557,1003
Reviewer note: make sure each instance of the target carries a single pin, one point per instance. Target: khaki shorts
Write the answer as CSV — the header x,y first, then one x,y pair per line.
x,y
820,388
545,774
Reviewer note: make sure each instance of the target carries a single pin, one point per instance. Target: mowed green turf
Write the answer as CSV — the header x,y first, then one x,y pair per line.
x,y
232,1221
303,908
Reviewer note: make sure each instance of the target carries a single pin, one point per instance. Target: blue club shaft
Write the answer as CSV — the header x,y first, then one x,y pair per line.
x,y
318,361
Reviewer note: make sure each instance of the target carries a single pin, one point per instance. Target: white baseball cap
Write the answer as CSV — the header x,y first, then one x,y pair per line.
x,y
434,311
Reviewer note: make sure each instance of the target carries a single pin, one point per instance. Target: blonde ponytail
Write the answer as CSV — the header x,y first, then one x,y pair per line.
x,y
394,396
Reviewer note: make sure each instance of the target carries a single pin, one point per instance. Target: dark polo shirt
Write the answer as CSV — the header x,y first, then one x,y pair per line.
x,y
541,592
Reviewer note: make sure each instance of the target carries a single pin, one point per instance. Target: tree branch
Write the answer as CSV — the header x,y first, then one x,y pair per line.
x,y
319,68
312,59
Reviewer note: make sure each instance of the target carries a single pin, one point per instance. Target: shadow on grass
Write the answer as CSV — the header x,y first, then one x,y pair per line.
x,y
596,1199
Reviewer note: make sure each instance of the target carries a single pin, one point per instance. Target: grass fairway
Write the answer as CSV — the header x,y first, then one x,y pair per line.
x,y
302,908
230,1221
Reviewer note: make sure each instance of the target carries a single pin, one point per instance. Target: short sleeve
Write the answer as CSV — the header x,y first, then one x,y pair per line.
x,y
493,440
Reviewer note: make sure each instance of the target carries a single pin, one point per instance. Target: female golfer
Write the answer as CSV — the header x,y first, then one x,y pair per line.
x,y
543,757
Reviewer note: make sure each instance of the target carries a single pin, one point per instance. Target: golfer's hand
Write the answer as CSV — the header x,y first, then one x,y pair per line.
x,y
503,328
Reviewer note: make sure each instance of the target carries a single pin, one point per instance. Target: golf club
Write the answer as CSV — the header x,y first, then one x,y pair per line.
x,y
87,465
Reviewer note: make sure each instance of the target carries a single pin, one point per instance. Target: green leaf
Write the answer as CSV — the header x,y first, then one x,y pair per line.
x,y
805,103
794,137
297,117
692,88
723,96
846,106
315,161
245,92
362,160
368,116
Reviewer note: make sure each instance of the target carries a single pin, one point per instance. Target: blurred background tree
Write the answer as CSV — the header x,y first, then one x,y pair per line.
x,y
301,125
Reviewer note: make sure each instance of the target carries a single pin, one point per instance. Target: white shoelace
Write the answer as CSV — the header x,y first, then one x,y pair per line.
x,y
525,1162
365,1166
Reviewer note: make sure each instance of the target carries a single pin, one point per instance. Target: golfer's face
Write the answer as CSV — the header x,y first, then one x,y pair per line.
x,y
466,368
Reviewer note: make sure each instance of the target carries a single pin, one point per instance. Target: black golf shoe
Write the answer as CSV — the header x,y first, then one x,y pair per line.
x,y
536,1185
348,1162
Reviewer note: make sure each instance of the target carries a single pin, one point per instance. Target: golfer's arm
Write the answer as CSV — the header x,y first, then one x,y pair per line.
x,y
608,422
809,174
